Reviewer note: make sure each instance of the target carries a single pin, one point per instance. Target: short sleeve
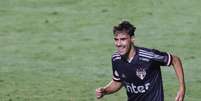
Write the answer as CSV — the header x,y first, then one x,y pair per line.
x,y
115,58
162,58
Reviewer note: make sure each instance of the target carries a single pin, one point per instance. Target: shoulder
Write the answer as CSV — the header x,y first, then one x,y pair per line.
x,y
116,56
145,52
150,53
164,58
144,49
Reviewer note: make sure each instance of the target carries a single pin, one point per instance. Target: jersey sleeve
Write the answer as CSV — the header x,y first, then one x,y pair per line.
x,y
162,58
115,58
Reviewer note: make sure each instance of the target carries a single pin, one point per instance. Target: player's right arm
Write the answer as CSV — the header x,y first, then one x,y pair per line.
x,y
110,88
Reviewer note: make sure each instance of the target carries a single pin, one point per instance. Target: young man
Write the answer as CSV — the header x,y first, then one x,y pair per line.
x,y
138,68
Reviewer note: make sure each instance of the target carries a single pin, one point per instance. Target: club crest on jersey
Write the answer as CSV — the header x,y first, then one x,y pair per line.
x,y
123,76
141,73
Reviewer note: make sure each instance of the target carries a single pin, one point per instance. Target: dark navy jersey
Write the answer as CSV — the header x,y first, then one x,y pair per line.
x,y
141,76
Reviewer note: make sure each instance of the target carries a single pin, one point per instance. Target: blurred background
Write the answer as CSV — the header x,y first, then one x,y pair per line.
x,y
60,50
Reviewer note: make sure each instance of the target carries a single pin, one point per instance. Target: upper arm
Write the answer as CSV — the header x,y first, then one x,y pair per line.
x,y
162,58
115,58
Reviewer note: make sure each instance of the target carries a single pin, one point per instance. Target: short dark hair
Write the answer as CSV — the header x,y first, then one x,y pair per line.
x,y
124,27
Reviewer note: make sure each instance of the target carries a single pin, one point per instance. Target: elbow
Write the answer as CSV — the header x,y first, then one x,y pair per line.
x,y
175,60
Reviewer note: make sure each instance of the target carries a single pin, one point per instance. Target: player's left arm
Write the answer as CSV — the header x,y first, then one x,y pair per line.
x,y
177,65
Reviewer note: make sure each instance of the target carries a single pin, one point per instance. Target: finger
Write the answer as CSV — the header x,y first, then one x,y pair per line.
x,y
98,90
177,98
180,98
99,95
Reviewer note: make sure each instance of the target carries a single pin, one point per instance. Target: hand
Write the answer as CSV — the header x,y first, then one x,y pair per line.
x,y
100,92
180,95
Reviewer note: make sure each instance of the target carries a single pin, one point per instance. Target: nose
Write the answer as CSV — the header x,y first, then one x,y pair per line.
x,y
118,43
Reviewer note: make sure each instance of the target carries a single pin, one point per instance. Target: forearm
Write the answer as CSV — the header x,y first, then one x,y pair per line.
x,y
112,87
179,72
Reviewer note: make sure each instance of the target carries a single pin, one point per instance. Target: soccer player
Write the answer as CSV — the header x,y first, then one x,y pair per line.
x,y
138,68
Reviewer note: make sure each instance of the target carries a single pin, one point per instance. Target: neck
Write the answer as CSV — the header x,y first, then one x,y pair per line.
x,y
131,53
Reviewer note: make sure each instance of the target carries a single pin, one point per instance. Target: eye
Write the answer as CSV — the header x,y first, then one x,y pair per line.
x,y
115,39
123,39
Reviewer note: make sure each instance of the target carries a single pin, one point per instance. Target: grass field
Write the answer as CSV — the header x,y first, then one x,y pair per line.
x,y
60,50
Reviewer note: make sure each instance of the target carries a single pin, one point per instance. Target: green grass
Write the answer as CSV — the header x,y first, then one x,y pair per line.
x,y
59,50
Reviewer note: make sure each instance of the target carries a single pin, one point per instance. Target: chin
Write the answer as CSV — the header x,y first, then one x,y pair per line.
x,y
121,53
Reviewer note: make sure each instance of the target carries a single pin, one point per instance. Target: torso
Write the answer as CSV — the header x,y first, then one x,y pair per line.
x,y
141,76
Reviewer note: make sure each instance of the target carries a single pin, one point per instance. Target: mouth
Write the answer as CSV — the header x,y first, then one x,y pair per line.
x,y
121,49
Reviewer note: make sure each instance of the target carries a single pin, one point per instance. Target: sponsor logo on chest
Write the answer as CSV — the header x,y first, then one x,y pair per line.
x,y
131,88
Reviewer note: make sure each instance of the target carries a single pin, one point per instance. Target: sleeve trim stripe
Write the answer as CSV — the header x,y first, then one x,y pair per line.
x,y
116,79
169,59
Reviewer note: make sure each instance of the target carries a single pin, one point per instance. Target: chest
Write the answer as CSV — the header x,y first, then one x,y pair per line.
x,y
137,71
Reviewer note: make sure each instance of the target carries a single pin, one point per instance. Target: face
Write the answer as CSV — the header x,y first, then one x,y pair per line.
x,y
123,43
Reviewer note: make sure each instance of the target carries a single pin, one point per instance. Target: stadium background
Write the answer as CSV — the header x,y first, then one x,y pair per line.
x,y
60,50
